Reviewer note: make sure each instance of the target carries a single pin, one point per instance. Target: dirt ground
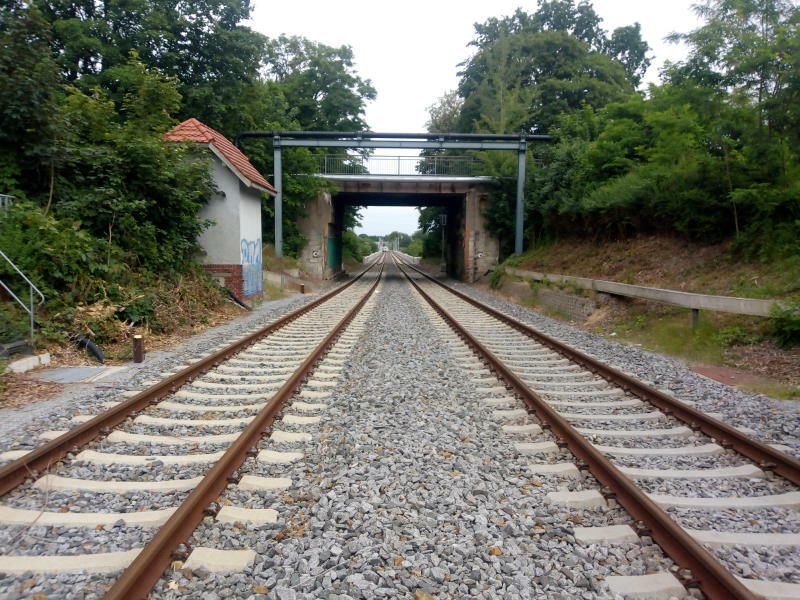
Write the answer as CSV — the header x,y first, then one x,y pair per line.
x,y
20,389
668,262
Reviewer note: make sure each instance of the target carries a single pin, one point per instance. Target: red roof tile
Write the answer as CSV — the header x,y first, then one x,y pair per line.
x,y
192,130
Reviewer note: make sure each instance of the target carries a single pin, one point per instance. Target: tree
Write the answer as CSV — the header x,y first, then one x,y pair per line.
x,y
123,181
403,239
540,74
28,121
215,59
579,21
742,42
319,83
444,113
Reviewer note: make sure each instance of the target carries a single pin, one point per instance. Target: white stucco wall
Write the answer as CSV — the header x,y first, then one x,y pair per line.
x,y
250,239
221,241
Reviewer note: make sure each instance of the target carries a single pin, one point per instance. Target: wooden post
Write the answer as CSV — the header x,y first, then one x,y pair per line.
x,y
695,317
138,349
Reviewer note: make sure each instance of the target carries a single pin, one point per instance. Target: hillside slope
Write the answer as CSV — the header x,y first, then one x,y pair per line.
x,y
666,262
732,348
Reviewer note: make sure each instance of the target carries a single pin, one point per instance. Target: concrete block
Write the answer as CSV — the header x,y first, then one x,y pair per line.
x,y
28,363
220,561
104,562
658,586
611,534
772,590
580,499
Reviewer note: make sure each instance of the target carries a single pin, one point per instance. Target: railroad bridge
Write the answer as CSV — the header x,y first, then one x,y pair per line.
x,y
436,179
470,249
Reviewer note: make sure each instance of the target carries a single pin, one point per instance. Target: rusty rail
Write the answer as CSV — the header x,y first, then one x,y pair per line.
x,y
765,456
715,581
147,568
40,459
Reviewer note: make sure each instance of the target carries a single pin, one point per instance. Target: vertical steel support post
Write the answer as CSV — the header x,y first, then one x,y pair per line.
x,y
278,169
520,213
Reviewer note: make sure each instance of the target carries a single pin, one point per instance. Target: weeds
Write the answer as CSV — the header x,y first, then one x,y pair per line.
x,y
785,324
496,278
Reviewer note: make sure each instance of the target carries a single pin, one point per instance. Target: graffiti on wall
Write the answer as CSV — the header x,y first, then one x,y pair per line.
x,y
251,267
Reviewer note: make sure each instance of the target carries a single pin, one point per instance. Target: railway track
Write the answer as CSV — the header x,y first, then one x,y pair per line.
x,y
636,441
180,442
397,442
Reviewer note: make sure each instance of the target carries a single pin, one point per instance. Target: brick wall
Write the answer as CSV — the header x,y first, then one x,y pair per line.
x,y
230,276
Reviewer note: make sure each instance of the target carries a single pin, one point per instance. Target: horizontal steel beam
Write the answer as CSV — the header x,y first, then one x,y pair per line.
x,y
320,143
400,136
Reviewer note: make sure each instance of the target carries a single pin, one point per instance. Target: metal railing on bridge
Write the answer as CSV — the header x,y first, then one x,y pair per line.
x,y
443,166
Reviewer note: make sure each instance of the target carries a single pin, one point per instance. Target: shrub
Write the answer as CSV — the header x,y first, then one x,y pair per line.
x,y
496,278
785,324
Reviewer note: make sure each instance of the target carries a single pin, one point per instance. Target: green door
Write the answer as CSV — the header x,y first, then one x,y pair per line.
x,y
334,249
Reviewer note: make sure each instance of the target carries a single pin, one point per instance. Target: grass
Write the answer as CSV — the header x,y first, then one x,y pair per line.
x,y
673,334
776,390
3,365
271,262
271,292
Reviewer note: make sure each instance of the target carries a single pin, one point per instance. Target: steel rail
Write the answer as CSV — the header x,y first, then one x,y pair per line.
x,y
715,581
765,456
40,459
149,565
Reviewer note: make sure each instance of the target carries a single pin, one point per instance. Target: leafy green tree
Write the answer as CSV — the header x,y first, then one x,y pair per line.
x,y
127,185
307,86
31,93
215,59
444,113
319,83
525,81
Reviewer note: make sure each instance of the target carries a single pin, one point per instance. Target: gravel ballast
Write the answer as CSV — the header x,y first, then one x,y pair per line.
x,y
410,485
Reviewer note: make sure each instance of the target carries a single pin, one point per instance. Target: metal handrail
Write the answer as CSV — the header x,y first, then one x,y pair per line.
x,y
30,309
337,164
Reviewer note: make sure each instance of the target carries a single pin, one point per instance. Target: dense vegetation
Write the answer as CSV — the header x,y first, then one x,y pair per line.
x,y
709,153
105,215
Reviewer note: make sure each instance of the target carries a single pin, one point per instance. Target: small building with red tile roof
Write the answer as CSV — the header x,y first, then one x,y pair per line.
x,y
232,244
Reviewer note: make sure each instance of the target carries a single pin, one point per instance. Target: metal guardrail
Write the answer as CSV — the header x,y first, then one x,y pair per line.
x,y
454,166
740,306
30,308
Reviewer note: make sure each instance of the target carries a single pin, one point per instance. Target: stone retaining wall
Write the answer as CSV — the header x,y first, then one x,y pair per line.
x,y
576,308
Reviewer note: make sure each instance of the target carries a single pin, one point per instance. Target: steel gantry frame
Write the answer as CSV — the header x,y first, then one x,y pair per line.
x,y
374,140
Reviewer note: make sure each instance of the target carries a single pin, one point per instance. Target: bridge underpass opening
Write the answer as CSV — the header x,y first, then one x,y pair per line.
x,y
459,260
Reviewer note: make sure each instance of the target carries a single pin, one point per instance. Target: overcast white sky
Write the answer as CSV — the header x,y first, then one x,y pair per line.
x,y
410,50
